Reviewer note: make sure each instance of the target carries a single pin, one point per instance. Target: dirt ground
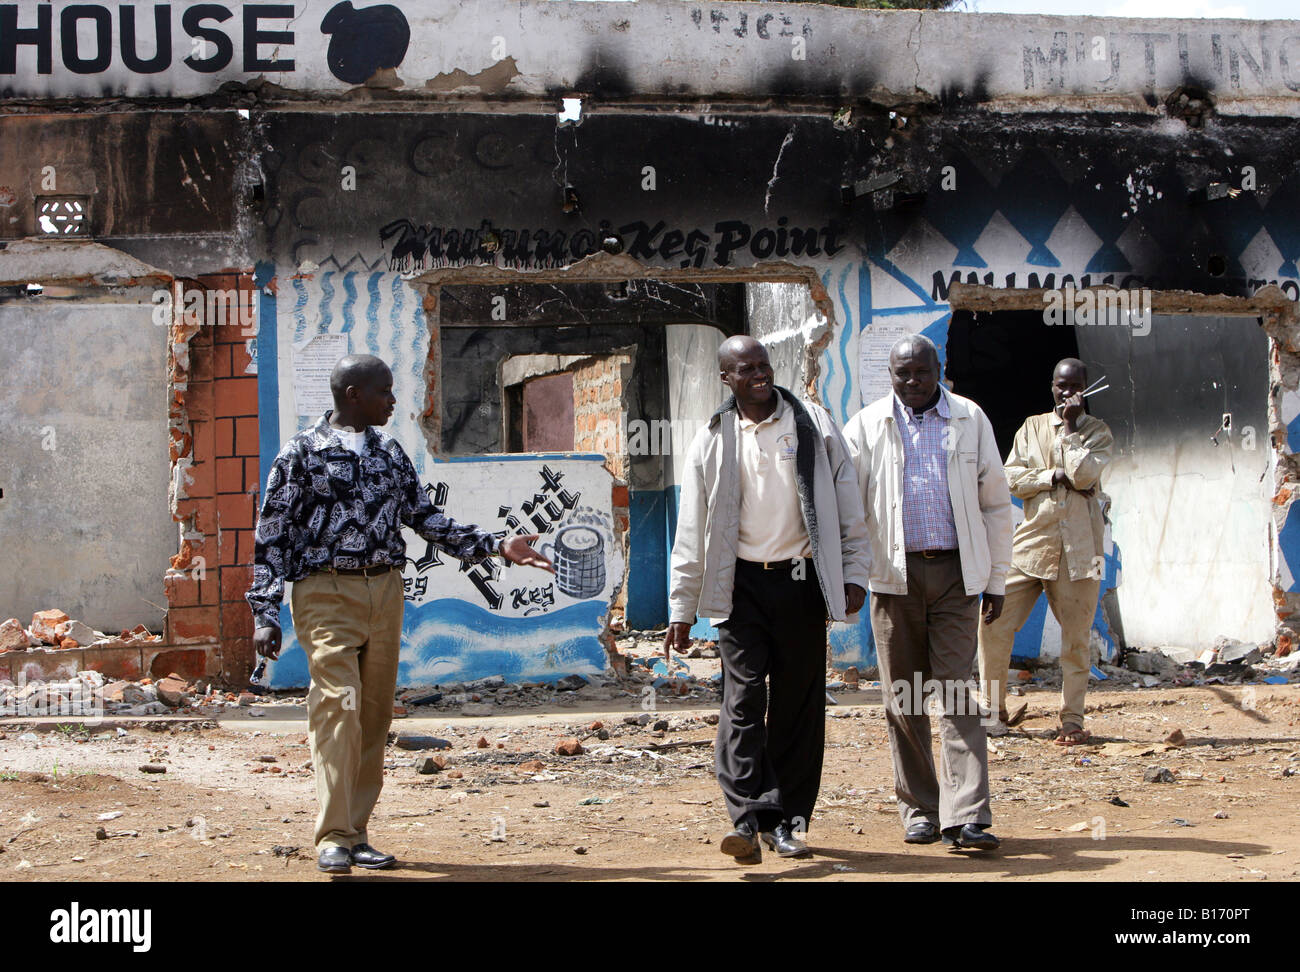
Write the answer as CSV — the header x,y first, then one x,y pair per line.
x,y
625,811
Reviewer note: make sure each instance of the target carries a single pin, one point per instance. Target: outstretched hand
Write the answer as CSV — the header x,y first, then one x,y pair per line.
x,y
519,550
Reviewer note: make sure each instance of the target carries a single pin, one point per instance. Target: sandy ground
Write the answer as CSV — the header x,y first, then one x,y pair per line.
x,y
211,816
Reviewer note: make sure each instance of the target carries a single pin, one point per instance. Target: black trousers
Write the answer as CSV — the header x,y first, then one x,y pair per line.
x,y
768,754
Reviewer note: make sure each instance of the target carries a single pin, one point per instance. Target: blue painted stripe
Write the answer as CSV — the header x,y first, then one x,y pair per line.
x,y
349,300
268,375
299,318
326,315
372,315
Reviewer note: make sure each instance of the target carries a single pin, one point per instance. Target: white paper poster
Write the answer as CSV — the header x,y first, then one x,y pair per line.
x,y
312,364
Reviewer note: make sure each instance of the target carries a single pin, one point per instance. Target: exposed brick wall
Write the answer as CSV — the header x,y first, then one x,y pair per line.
x,y
599,419
215,494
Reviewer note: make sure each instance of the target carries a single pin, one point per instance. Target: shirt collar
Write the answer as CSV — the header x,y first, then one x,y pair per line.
x,y
325,436
774,417
902,411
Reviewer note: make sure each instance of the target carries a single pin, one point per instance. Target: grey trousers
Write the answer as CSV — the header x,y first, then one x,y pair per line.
x,y
926,642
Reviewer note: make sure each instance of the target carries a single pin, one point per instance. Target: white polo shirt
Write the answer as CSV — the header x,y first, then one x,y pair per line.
x,y
771,521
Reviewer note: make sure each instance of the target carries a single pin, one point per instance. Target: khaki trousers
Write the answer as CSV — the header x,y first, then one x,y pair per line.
x,y
928,636
1074,604
350,627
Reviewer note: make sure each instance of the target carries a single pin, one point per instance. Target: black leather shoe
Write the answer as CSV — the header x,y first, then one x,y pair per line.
x,y
335,860
972,836
922,832
363,855
742,844
781,840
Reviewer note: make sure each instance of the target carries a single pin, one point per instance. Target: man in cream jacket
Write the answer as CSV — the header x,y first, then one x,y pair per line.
x,y
938,514
770,544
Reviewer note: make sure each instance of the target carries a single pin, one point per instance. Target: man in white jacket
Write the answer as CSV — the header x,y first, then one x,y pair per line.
x,y
938,514
770,543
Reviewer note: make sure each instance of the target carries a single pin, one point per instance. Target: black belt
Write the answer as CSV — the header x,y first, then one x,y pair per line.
x,y
374,571
773,564
932,554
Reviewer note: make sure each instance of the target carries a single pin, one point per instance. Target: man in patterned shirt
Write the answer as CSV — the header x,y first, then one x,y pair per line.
x,y
336,499
939,515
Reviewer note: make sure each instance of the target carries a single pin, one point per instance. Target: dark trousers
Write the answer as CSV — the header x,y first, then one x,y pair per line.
x,y
768,754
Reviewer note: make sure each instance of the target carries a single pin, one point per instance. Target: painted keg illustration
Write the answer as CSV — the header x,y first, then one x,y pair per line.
x,y
579,555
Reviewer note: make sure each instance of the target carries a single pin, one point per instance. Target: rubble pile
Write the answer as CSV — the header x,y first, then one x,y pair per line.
x,y
53,629
87,694
1227,662
633,678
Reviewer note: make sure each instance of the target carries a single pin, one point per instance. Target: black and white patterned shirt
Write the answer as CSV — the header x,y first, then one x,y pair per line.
x,y
326,506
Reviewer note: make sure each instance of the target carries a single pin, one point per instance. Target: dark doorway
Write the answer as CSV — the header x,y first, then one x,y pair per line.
x,y
1004,360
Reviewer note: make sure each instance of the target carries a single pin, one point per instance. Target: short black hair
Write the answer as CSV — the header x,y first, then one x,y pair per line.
x,y
355,369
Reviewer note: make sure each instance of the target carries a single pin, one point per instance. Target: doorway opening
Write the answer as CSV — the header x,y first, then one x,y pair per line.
x,y
1004,360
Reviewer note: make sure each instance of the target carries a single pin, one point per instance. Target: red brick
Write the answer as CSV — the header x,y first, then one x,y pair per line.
x,y
114,663
252,475
182,590
190,551
235,511
230,475
199,401
247,545
51,664
201,363
192,624
202,479
239,359
203,447
237,660
224,442
236,620
236,396
233,334
229,544
220,361
234,582
210,587
206,510
188,663
620,496
245,437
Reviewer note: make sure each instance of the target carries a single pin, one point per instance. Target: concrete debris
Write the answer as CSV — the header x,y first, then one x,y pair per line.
x,y
45,623
428,765
53,629
1176,738
411,740
1158,774
13,636
568,747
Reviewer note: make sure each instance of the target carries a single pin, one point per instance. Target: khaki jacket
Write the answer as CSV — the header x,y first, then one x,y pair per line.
x,y
708,518
1059,519
977,486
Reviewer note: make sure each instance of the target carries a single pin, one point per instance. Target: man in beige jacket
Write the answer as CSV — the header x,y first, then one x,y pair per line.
x,y
1055,466
939,517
